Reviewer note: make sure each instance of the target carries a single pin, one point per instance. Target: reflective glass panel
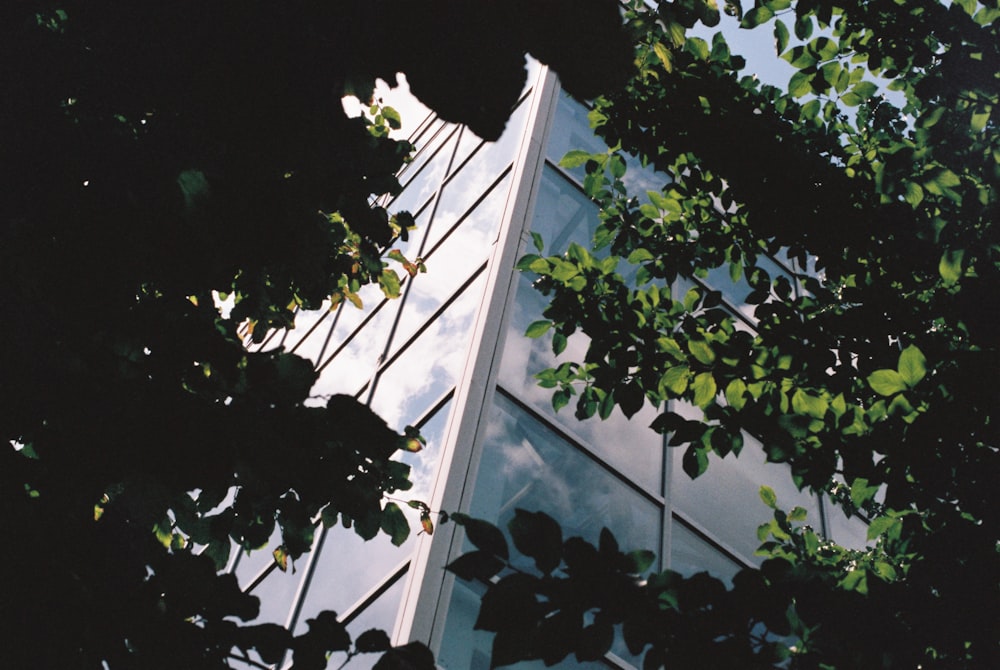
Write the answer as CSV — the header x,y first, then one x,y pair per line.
x,y
690,554
571,131
851,533
466,186
428,145
563,215
347,567
349,366
418,191
428,368
381,614
451,264
628,445
310,332
725,503
526,465
277,593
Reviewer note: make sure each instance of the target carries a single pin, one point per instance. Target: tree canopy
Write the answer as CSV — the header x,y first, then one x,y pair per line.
x,y
872,373
157,156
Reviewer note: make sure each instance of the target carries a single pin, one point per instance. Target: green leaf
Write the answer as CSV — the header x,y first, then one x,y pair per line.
x,y
780,36
798,514
702,351
886,382
560,399
476,565
824,48
697,47
865,89
856,580
803,26
914,193
800,84
912,365
675,379
640,560
704,389
606,405
694,461
880,525
809,405
663,53
392,117
735,391
394,523
389,281
668,345
618,167
558,343
537,240
767,495
538,328
756,16
574,159
980,118
537,536
862,492
950,266
483,535
639,256
799,57
630,398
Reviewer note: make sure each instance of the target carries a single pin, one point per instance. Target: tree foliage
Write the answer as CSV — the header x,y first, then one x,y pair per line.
x,y
157,156
870,372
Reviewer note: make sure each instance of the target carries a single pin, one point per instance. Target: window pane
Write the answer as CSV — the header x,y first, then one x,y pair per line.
x,y
563,214
526,465
423,185
725,502
276,594
454,261
348,368
347,567
428,145
628,445
466,186
690,554
381,614
571,131
426,369
851,533
310,332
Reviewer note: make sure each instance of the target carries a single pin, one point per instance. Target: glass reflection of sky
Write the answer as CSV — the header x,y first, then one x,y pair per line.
x,y
426,370
530,467
628,445
725,500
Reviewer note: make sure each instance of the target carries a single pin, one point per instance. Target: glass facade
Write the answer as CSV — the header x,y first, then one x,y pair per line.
x,y
450,357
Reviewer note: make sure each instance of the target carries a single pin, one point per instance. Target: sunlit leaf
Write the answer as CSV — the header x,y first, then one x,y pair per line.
x,y
886,382
280,556
912,365
538,328
767,495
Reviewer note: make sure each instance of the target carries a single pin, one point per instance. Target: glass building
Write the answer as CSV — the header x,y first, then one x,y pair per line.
x,y
450,357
